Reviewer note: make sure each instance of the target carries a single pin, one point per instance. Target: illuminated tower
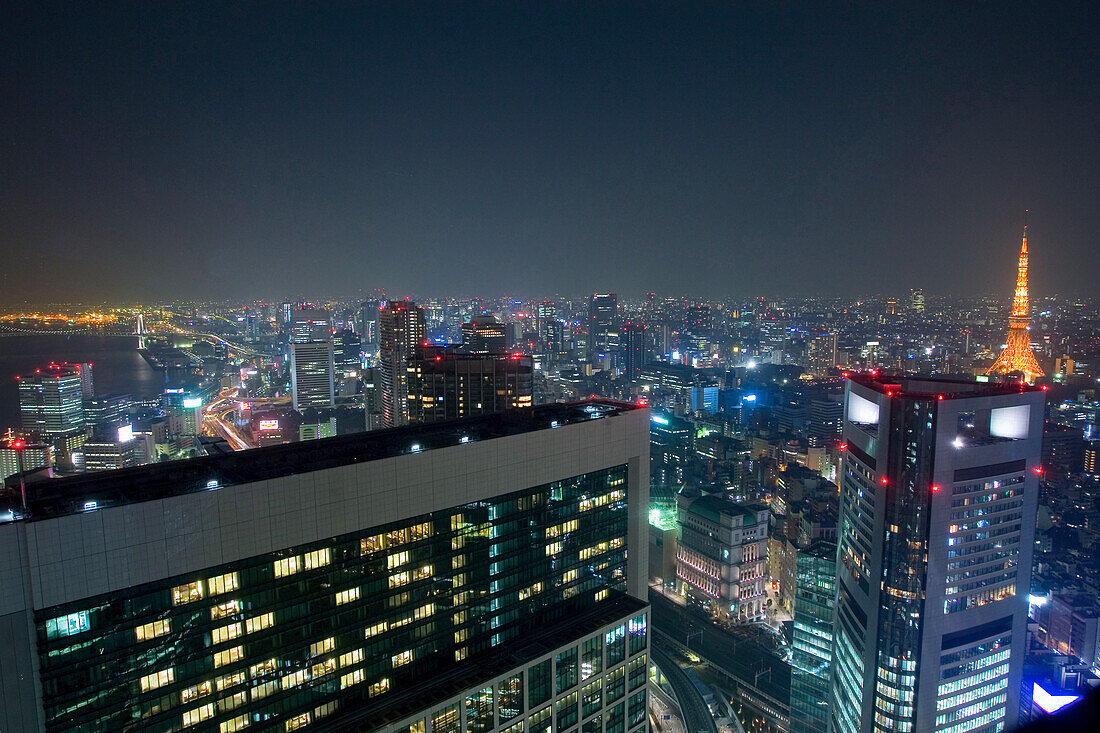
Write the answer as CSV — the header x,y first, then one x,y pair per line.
x,y
1017,356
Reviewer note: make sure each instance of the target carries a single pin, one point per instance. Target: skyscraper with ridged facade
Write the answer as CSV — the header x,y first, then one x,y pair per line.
x,y
938,497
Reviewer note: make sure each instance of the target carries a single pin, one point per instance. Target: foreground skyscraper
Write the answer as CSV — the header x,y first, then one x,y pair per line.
x,y
479,575
1017,355
937,525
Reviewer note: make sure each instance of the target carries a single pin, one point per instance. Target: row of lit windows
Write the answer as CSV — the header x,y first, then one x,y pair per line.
x,y
974,723
197,590
979,598
971,695
949,688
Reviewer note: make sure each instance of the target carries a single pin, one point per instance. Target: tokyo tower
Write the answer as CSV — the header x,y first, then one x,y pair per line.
x,y
1017,355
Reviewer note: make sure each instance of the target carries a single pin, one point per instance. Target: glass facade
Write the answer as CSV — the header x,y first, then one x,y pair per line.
x,y
815,597
284,640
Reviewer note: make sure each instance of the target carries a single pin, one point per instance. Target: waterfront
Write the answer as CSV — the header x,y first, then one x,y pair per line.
x,y
117,367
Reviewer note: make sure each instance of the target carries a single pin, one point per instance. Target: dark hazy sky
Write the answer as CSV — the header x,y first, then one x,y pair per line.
x,y
259,149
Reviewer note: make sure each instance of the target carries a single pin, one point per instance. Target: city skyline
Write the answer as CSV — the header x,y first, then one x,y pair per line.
x,y
449,150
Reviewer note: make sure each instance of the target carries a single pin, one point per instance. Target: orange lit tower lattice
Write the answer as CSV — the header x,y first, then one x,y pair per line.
x,y
1017,355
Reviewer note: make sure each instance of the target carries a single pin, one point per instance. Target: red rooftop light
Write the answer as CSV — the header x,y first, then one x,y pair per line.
x,y
1038,469
883,481
935,487
17,444
843,446
939,397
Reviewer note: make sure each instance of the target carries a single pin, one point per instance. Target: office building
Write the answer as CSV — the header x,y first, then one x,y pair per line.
x,y
484,335
401,329
939,494
18,455
546,314
814,611
110,450
184,411
312,374
107,411
51,403
445,383
368,321
635,347
347,347
721,555
311,325
402,580
916,300
602,311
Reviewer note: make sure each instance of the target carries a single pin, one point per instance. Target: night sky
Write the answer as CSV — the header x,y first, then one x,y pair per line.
x,y
265,150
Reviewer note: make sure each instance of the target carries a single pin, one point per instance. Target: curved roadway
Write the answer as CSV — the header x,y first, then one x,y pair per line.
x,y
697,717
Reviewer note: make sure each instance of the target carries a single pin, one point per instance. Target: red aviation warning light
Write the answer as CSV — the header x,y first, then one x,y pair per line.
x,y
883,481
935,487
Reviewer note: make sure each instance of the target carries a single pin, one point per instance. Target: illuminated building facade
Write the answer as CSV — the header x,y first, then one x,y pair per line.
x,y
401,329
403,580
484,335
939,492
814,611
51,401
722,554
602,310
1017,355
445,384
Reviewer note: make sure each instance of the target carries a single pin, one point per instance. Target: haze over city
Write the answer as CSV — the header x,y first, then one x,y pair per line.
x,y
211,149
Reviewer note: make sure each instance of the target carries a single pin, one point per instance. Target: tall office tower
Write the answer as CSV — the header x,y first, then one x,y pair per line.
x,y
311,325
635,348
51,402
312,374
400,330
722,555
938,499
445,383
547,314
404,580
602,310
1017,355
347,348
814,611
368,321
892,306
821,356
106,411
286,314
484,335
87,382
916,300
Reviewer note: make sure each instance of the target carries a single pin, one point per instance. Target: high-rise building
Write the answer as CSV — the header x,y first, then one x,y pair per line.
x,y
347,347
635,346
821,354
312,374
401,329
311,325
602,310
51,402
814,612
916,300
445,383
939,493
1017,355
722,554
473,576
368,321
484,335
547,313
